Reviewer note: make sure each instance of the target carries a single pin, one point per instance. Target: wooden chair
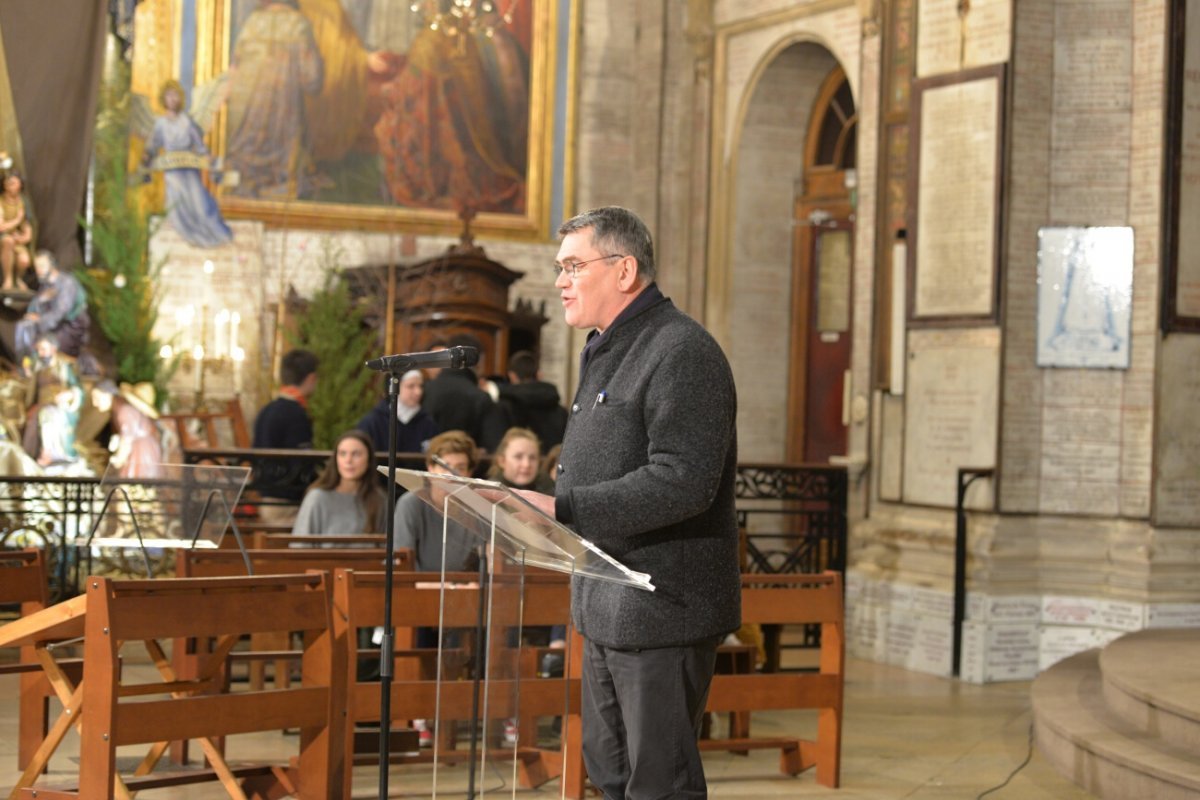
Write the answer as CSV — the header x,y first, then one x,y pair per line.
x,y
211,423
23,580
119,612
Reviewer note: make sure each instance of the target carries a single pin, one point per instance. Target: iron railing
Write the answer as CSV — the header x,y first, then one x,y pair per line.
x,y
793,516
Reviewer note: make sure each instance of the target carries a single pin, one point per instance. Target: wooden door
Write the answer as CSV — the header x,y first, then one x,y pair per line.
x,y
822,320
822,279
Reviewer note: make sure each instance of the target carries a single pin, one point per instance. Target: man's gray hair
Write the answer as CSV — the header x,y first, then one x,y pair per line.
x,y
617,231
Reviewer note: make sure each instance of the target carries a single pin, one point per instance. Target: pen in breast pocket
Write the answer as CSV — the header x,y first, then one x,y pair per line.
x,y
600,398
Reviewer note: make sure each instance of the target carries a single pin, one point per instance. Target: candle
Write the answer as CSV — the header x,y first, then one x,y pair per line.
x,y
219,334
203,326
198,361
184,317
235,319
238,355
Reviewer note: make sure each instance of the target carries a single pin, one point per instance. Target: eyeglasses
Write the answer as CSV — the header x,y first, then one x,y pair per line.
x,y
572,269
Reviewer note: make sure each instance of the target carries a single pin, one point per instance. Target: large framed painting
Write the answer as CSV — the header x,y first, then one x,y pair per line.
x,y
382,114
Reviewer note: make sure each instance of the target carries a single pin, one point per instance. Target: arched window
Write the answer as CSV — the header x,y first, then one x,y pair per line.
x,y
832,132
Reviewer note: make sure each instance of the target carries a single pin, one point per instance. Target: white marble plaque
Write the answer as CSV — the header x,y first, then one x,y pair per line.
x,y
951,406
956,199
950,39
1177,483
1085,287
891,447
897,349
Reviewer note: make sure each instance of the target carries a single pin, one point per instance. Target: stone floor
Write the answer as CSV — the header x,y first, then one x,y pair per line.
x,y
906,735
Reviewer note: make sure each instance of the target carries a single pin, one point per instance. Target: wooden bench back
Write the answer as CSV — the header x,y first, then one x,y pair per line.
x,y
266,540
23,579
289,561
358,600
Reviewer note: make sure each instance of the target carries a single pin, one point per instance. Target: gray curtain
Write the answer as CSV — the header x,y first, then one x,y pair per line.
x,y
55,52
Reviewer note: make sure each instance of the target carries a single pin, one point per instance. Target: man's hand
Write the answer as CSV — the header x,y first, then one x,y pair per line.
x,y
542,502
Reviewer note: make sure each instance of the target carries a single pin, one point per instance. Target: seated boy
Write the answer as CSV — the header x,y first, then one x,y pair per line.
x,y
419,525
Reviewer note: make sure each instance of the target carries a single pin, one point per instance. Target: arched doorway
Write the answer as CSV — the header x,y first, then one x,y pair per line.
x,y
766,171
822,260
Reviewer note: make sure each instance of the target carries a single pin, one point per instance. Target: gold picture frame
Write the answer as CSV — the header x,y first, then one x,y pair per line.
x,y
527,219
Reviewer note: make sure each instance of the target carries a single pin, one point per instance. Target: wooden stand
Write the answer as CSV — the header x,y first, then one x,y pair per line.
x,y
226,608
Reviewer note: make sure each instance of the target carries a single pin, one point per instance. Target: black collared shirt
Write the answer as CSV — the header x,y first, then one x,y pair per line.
x,y
648,297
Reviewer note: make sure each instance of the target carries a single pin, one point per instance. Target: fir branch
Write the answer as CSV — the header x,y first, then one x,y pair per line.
x,y
333,328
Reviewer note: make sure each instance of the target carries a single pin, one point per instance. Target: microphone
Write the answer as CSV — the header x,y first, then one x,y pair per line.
x,y
453,357
441,462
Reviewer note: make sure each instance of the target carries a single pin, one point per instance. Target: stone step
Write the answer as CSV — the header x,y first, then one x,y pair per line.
x,y
1099,750
1152,681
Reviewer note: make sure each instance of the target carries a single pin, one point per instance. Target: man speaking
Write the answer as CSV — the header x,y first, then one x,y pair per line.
x,y
647,473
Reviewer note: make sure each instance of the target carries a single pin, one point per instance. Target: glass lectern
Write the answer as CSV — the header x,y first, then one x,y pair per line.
x,y
513,729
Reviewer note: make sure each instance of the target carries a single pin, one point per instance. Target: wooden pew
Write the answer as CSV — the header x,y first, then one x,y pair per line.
x,y
792,600
283,561
358,603
274,647
23,580
121,611
265,540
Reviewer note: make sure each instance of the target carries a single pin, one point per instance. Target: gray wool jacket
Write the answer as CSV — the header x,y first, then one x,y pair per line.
x,y
647,473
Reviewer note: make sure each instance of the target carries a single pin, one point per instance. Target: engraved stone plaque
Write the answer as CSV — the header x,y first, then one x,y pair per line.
x,y
951,409
1187,286
953,36
1177,480
957,199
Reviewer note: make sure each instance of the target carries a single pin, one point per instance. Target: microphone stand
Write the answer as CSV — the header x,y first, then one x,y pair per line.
x,y
395,366
387,645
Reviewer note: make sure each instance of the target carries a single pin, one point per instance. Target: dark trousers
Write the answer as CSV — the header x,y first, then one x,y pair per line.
x,y
641,719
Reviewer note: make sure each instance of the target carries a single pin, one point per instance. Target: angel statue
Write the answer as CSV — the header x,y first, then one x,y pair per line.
x,y
175,145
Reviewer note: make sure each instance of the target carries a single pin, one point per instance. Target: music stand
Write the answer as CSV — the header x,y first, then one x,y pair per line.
x,y
514,535
185,505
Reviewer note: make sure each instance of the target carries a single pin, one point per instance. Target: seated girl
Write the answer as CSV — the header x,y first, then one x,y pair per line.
x,y
346,499
517,461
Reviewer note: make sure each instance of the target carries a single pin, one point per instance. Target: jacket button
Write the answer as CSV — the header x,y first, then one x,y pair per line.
x,y
575,408
561,469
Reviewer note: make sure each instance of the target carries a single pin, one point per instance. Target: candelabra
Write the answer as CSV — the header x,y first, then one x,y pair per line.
x,y
206,341
460,17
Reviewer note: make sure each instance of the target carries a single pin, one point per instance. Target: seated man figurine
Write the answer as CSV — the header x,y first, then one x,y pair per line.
x,y
55,397
59,307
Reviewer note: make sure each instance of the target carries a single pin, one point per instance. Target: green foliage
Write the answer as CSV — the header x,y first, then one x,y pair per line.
x,y
332,327
122,285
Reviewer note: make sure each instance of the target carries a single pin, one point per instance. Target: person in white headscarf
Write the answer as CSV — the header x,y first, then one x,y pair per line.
x,y
414,426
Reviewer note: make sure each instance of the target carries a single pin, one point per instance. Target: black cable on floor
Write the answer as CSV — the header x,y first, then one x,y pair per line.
x,y
1011,775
